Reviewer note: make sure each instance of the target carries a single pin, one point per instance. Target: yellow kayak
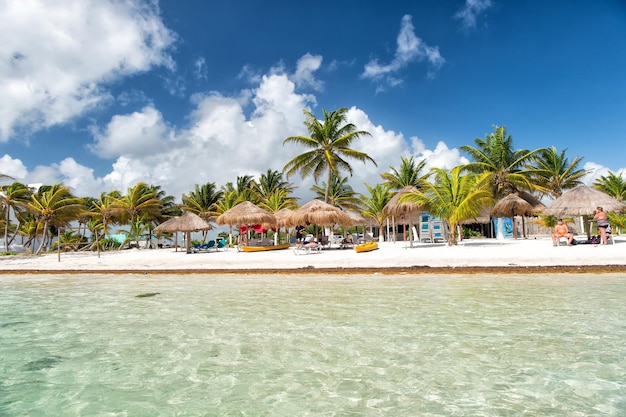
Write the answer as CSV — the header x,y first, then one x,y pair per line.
x,y
366,247
264,248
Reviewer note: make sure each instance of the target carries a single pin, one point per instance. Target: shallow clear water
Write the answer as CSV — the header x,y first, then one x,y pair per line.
x,y
374,345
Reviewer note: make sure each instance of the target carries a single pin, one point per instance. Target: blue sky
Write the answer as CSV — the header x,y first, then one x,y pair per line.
x,y
101,94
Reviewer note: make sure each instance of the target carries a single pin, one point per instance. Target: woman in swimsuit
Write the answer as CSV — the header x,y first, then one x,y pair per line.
x,y
602,223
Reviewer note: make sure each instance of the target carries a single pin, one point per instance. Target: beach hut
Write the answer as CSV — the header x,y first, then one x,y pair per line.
x,y
188,222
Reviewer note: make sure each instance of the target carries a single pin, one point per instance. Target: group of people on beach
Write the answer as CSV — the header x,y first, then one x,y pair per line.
x,y
562,231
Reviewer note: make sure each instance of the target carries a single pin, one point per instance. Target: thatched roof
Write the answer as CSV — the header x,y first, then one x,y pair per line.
x,y
282,215
356,218
583,201
397,209
320,213
538,206
483,218
246,213
188,222
512,205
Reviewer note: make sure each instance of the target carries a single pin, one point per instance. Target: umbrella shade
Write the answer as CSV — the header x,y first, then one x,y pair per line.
x,y
538,206
320,213
357,219
281,216
246,213
512,205
397,209
188,222
583,201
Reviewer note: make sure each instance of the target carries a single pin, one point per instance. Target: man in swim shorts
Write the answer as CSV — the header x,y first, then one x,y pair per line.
x,y
602,222
561,230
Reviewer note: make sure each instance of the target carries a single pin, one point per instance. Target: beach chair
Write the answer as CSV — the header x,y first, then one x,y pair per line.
x,y
347,242
307,249
221,245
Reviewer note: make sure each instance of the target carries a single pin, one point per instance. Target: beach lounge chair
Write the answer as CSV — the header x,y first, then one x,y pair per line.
x,y
205,247
347,242
307,248
221,245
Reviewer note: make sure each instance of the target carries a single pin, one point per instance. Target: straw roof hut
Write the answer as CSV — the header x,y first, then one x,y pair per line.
x,y
246,213
510,206
407,211
188,222
320,213
583,201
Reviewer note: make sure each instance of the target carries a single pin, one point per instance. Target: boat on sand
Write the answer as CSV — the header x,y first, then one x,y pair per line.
x,y
264,248
366,247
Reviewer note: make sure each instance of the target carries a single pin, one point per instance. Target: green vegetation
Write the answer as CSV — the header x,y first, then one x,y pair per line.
x,y
34,218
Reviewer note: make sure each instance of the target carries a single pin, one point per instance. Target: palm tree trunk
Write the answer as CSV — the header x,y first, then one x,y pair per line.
x,y
43,238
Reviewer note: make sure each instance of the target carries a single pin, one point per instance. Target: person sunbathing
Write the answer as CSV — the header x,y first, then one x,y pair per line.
x,y
561,230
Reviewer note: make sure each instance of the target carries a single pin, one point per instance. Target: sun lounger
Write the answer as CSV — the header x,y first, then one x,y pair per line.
x,y
306,249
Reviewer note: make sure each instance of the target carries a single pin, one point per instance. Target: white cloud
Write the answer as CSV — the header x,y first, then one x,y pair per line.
x,y
135,134
409,48
305,68
471,10
13,168
57,57
442,157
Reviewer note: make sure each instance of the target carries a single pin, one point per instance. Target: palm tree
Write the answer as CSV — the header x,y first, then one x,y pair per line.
x,y
340,194
613,185
244,188
141,201
330,146
453,197
374,204
409,174
277,200
105,210
553,172
202,201
54,206
507,168
269,182
13,197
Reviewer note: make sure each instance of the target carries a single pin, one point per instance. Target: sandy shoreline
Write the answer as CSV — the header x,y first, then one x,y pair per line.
x,y
472,256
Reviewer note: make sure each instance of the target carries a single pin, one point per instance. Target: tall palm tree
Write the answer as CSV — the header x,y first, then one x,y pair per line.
x,y
553,172
105,210
329,142
202,201
269,182
340,194
453,196
409,174
244,188
13,197
508,169
374,204
277,200
613,185
141,202
54,206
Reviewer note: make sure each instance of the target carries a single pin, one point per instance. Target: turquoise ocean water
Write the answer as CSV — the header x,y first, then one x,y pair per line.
x,y
354,345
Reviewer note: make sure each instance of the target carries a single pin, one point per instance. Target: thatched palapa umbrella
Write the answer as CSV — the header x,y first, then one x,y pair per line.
x,y
403,210
188,222
583,201
510,206
320,213
246,214
281,217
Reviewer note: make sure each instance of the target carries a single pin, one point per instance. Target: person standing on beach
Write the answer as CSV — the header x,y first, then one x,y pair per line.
x,y
561,230
602,223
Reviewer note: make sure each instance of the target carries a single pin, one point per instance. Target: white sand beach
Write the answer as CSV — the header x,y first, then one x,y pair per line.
x,y
490,254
